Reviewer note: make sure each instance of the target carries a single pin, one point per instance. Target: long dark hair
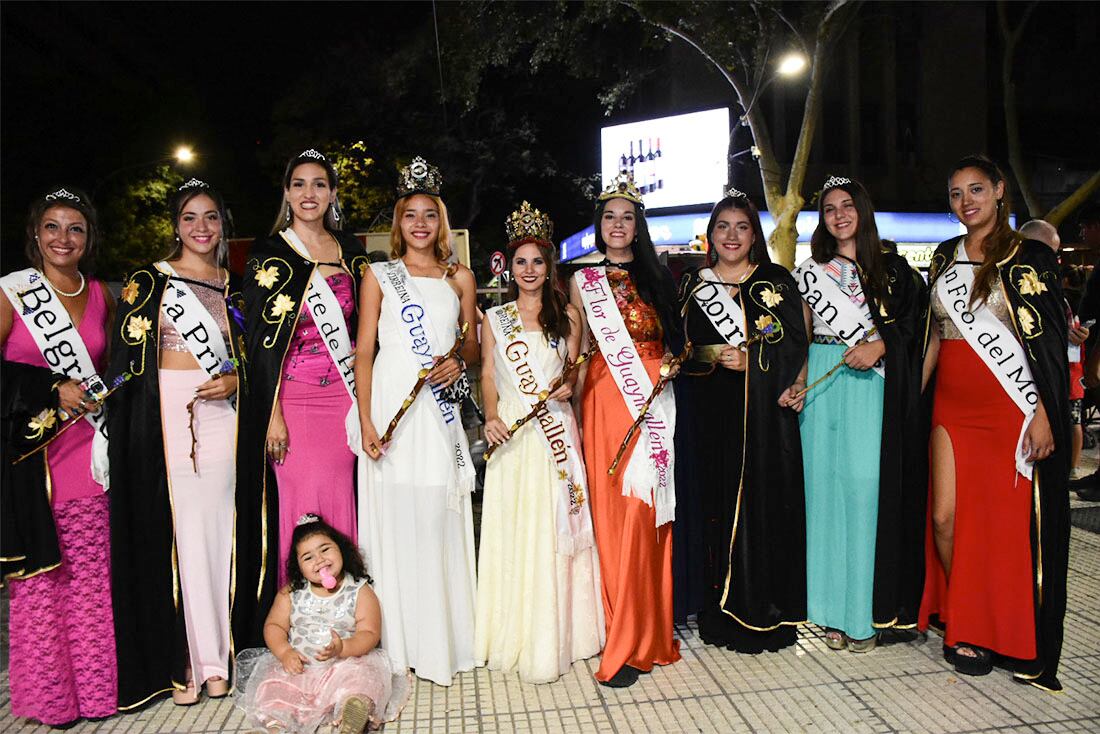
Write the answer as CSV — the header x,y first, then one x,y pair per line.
x,y
1003,237
180,198
553,316
286,216
353,559
869,255
76,200
758,253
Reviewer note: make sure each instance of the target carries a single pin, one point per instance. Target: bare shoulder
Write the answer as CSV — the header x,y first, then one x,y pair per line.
x,y
464,277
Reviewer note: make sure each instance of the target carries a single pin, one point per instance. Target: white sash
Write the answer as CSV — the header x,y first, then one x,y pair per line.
x,y
833,306
649,472
400,295
725,314
994,342
558,429
329,318
61,346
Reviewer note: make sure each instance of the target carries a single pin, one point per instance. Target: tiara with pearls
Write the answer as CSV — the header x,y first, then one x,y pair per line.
x,y
311,153
835,181
62,194
733,193
622,187
308,518
194,184
419,177
528,222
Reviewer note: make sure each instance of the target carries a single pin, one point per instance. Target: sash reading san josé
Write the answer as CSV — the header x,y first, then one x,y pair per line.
x,y
557,429
993,342
833,306
649,471
400,295
724,312
61,346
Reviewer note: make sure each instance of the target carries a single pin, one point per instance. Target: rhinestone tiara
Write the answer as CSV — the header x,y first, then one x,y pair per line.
x,y
528,222
419,177
194,184
733,193
622,187
62,194
307,518
835,181
312,153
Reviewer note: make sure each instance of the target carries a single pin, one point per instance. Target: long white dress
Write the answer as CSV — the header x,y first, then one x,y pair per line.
x,y
419,552
537,610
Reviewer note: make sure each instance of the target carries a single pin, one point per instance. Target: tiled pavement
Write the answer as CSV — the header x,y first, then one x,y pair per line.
x,y
808,688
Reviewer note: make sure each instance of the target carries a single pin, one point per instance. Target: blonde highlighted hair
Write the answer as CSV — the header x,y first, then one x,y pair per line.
x,y
442,243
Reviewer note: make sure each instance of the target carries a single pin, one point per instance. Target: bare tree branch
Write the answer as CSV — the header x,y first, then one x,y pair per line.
x,y
1058,214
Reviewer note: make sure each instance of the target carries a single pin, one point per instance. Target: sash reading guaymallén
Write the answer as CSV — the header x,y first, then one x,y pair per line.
x,y
993,342
833,306
558,431
329,318
724,312
400,295
649,471
196,325
61,346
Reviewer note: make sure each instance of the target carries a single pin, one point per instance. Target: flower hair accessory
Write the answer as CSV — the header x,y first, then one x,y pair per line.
x,y
733,193
622,187
62,194
194,184
419,177
311,153
528,223
307,518
835,181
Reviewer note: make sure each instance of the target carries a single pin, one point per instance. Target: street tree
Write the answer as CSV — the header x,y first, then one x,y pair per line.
x,y
135,223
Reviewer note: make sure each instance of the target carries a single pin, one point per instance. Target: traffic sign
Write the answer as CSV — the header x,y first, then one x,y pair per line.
x,y
497,263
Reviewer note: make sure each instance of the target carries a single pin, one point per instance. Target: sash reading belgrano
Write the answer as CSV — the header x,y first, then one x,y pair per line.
x,y
558,431
61,346
993,342
725,314
196,325
400,295
329,318
649,472
833,306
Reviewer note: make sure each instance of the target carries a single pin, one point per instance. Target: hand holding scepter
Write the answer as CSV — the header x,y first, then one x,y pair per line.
x,y
421,378
862,340
45,420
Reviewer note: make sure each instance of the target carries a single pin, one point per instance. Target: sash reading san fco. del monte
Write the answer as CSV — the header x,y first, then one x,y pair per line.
x,y
992,341
724,312
61,346
401,296
650,469
557,430
835,307
196,325
329,318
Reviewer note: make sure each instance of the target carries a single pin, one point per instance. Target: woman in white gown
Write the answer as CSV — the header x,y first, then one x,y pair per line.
x,y
415,520
538,602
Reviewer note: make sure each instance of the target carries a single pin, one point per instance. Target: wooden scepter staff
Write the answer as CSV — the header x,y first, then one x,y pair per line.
x,y
119,382
863,340
421,378
666,375
544,395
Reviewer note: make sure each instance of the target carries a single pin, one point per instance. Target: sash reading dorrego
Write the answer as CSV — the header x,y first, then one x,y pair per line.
x,y
725,314
833,306
61,346
557,429
649,472
329,318
993,342
195,324
400,295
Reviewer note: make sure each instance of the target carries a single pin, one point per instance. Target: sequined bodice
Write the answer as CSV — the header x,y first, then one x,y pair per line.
x,y
641,319
995,302
307,359
212,299
312,616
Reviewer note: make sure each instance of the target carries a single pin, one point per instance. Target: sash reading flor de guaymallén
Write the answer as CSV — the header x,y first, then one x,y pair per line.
x,y
649,472
61,346
558,431
993,342
400,295
835,307
329,318
196,325
724,312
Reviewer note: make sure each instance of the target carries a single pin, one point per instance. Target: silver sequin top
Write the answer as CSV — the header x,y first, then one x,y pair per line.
x,y
995,302
213,300
312,616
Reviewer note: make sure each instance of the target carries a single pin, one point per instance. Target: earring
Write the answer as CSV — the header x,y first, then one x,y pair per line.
x,y
336,212
288,213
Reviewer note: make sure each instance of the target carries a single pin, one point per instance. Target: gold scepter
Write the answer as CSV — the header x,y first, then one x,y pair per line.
x,y
544,395
421,378
837,366
118,383
666,375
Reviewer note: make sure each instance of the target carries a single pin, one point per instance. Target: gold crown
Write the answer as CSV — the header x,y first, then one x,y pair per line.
x,y
528,222
622,187
419,177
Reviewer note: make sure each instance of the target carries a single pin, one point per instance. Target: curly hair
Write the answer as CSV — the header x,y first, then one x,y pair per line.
x,y
353,559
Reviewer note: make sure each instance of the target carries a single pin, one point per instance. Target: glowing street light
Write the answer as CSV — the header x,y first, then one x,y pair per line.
x,y
184,154
791,64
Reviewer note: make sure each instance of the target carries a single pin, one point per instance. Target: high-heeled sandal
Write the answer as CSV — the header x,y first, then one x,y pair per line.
x,y
217,687
187,697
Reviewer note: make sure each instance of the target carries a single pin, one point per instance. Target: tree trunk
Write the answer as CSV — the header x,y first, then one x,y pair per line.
x,y
1059,213
1011,37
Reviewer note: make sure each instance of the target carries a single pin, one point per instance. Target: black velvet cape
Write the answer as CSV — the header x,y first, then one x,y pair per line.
x,y
1045,347
145,578
739,542
284,273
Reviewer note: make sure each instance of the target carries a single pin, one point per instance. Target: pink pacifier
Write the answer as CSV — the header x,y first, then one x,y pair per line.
x,y
327,579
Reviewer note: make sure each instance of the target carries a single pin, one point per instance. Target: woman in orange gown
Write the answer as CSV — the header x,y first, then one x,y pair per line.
x,y
633,532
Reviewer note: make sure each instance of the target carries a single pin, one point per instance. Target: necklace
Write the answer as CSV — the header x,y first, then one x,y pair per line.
x,y
733,281
60,292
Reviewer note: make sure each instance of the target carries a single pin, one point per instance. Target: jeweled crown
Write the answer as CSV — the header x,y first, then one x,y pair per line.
x,y
835,181
312,153
194,184
62,194
622,187
307,518
528,222
733,193
419,177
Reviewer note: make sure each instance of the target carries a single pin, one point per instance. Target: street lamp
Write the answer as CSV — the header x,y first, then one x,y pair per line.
x,y
184,154
790,65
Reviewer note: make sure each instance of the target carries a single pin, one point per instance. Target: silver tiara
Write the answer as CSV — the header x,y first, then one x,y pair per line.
x,y
835,181
308,518
62,194
311,153
735,194
194,184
